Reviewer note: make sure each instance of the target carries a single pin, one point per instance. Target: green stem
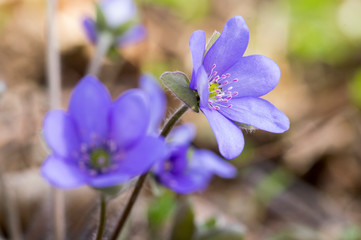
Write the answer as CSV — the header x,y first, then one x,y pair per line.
x,y
102,218
165,131
173,120
103,44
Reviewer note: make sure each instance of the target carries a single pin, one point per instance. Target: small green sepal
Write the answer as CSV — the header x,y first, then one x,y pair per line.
x,y
212,40
101,22
178,83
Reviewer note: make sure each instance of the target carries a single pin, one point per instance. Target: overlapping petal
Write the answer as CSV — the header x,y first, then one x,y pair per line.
x,y
90,29
61,134
259,113
256,74
214,164
142,156
229,136
229,47
61,173
156,99
192,181
182,135
129,119
109,179
197,44
202,87
134,35
90,106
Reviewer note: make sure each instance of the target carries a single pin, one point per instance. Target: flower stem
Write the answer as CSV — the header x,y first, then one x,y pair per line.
x,y
54,83
103,44
102,218
173,120
165,131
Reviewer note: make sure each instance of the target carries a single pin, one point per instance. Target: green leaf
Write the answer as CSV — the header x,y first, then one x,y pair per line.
x,y
273,185
184,227
222,234
100,18
212,40
160,209
121,29
211,223
178,83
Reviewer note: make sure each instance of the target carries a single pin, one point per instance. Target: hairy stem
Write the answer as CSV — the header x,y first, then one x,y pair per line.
x,y
165,131
102,217
103,44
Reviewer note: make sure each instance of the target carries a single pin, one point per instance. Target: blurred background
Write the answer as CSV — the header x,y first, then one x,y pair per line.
x,y
302,184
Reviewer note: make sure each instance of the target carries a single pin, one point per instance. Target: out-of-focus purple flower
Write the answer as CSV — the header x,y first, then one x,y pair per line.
x,y
230,86
158,100
118,12
188,169
120,20
98,141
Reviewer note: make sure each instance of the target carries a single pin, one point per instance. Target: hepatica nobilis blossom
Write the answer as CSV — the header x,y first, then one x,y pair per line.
x,y
187,169
230,85
119,18
158,100
98,141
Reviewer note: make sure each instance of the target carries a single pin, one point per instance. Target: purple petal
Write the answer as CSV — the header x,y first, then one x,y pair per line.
x,y
61,173
229,47
130,118
256,74
157,100
118,12
61,134
203,87
142,156
90,106
259,113
192,181
135,34
197,45
229,136
108,179
182,135
90,29
213,163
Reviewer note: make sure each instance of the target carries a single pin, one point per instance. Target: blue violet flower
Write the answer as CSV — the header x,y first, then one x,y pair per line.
x,y
98,141
120,19
230,85
187,169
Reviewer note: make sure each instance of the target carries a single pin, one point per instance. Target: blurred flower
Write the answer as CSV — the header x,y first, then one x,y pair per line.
x,y
188,169
117,17
158,100
98,141
230,84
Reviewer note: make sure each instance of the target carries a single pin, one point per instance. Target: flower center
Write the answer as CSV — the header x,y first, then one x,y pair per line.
x,y
220,89
100,159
